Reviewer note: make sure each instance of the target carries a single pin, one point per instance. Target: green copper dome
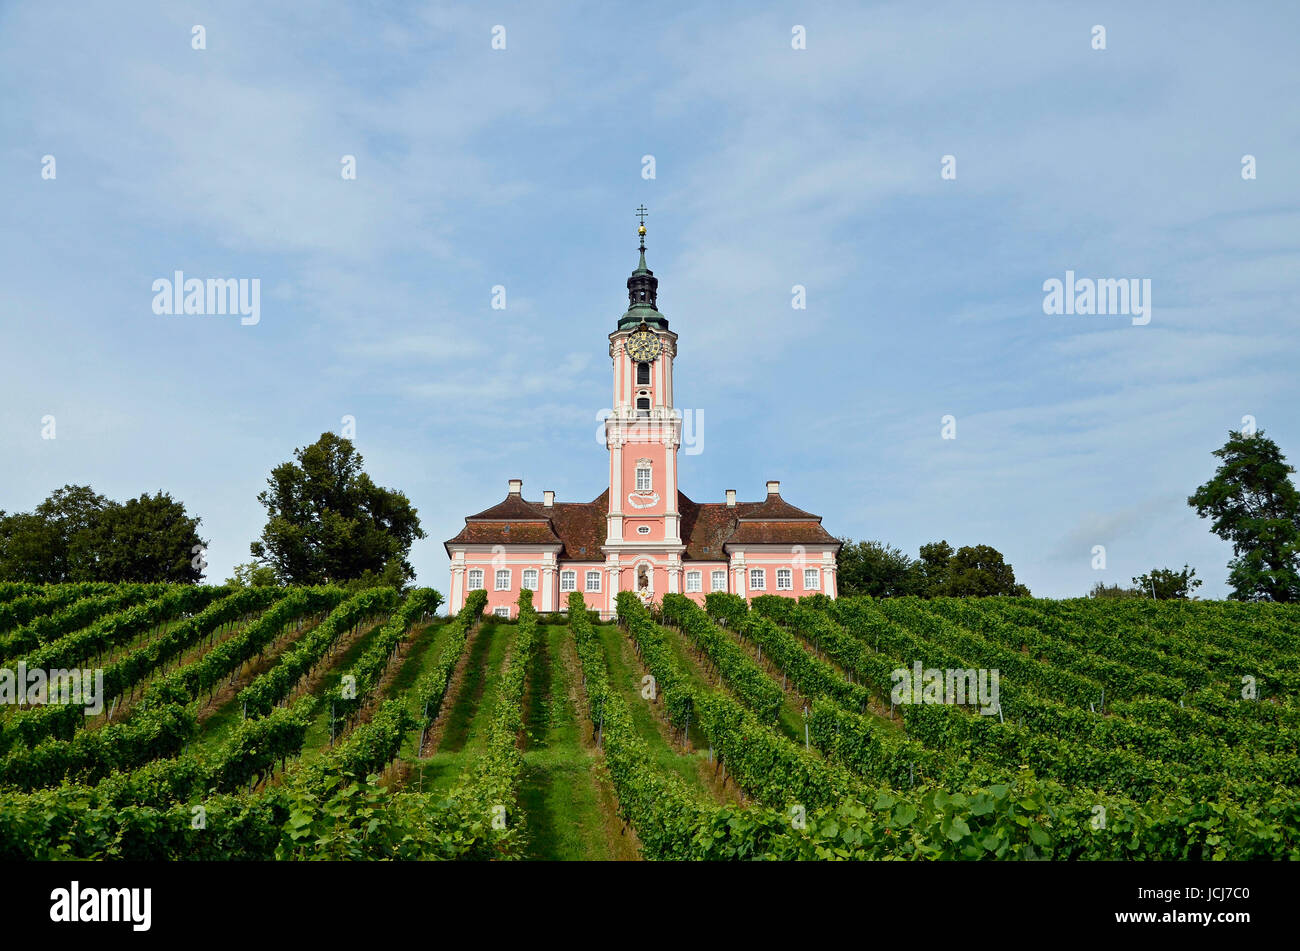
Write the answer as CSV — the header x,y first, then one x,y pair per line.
x,y
642,295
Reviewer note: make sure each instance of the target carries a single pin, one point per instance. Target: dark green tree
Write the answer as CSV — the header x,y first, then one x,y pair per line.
x,y
150,538
36,546
1252,502
328,522
932,570
1165,584
874,568
980,571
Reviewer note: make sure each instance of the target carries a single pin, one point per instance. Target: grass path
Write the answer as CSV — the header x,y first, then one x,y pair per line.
x,y
468,713
692,766
570,807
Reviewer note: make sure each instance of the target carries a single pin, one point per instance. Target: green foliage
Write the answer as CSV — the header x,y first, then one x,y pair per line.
x,y
253,575
345,700
978,572
875,569
1114,592
745,677
1165,584
79,535
328,522
297,662
1179,763
1252,502
150,538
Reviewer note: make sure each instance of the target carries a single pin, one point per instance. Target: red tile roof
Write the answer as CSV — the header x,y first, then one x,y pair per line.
x,y
579,527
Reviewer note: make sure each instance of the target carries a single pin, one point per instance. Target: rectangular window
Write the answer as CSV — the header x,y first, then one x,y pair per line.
x,y
593,580
643,483
530,579
811,579
503,579
568,581
694,581
719,580
784,579
502,610
475,579
757,579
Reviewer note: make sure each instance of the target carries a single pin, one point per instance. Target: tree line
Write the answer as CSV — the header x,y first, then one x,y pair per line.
x,y
327,522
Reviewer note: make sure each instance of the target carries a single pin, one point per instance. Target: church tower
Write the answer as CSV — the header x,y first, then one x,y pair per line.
x,y
643,544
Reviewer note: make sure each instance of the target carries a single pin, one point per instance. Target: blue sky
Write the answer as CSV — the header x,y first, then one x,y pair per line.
x,y
774,167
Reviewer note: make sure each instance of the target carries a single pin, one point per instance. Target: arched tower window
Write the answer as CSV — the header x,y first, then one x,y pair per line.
x,y
643,374
643,406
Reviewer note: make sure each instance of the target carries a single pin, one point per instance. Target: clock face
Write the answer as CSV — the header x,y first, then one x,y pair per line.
x,y
643,346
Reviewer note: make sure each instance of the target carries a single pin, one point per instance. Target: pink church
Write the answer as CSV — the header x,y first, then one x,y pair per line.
x,y
642,533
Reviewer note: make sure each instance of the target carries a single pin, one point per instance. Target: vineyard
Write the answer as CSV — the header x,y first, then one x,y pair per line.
x,y
320,723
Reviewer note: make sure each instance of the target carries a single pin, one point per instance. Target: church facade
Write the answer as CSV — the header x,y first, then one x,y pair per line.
x,y
642,533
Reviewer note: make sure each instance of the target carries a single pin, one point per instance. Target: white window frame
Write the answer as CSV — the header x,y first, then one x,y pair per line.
x,y
592,573
501,610
786,575
647,483
714,585
530,585
694,581
475,585
497,579
761,575
812,579
569,580
643,529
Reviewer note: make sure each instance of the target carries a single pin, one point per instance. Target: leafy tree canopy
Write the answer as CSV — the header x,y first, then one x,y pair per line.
x,y
883,571
875,569
1165,584
1252,502
1114,592
328,522
253,575
78,535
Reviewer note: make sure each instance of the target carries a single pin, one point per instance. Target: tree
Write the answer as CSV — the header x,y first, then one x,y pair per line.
x,y
1113,592
1252,503
328,522
875,569
932,569
980,571
1165,584
253,575
36,546
393,575
150,538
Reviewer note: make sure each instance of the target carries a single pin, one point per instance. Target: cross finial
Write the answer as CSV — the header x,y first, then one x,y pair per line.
x,y
640,230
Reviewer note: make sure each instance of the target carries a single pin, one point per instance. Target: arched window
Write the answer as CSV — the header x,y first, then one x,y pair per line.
x,y
643,406
643,374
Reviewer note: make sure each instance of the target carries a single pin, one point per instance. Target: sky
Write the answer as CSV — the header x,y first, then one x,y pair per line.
x,y
773,166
